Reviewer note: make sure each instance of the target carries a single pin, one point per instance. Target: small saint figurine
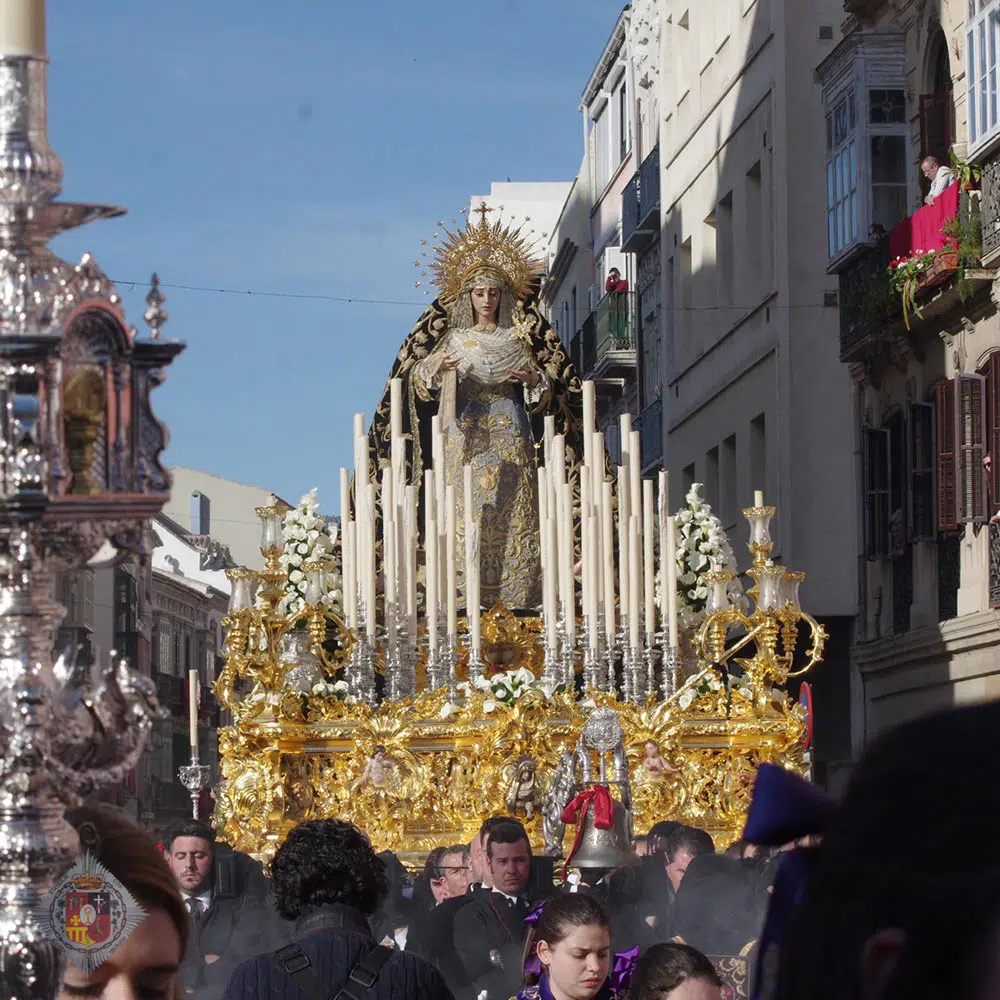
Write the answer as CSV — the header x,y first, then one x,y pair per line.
x,y
521,790
377,771
654,765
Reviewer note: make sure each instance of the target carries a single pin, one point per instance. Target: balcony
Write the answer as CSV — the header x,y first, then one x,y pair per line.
x,y
871,312
651,435
170,692
991,212
641,205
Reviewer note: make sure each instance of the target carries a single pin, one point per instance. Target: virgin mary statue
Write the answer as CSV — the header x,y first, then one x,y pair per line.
x,y
484,359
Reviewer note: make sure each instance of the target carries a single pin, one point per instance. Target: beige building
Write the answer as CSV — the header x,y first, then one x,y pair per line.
x,y
599,329
232,520
909,80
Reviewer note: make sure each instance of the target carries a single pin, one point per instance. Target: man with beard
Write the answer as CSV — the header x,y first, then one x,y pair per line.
x,y
231,918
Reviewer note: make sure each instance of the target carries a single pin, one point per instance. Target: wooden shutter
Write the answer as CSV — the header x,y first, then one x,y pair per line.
x,y
937,130
875,463
920,467
947,505
970,440
993,428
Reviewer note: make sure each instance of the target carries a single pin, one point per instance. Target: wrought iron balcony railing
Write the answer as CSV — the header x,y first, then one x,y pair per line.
x,y
170,692
641,204
990,212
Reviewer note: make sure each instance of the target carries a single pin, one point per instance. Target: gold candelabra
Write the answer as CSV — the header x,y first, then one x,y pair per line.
x,y
256,623
772,627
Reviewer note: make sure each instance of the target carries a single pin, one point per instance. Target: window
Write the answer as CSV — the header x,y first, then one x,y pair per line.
x,y
753,230
624,132
725,251
729,497
920,453
889,187
841,175
875,467
992,373
712,478
961,449
602,150
166,652
981,45
687,478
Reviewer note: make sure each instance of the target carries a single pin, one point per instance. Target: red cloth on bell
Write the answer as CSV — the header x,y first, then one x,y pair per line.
x,y
598,798
924,229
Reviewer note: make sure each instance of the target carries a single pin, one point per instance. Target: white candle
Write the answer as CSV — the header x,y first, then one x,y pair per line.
x,y
585,590
359,425
472,589
549,424
634,562
635,477
589,422
599,465
450,575
625,434
758,498
362,465
370,561
345,495
623,518
549,584
593,533
648,567
607,558
350,537
664,502
431,557
410,522
566,565
672,581
22,28
397,444
388,542
193,693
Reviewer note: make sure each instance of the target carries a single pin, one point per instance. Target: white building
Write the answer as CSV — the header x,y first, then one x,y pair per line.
x,y
531,206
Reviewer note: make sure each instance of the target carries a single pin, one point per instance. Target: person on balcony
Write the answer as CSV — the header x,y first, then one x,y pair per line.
x,y
616,289
941,177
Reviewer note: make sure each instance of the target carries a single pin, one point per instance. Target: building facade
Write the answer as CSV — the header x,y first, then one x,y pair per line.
x,y
599,327
907,81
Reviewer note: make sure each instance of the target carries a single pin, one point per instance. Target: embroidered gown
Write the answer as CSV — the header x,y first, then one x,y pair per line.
x,y
492,433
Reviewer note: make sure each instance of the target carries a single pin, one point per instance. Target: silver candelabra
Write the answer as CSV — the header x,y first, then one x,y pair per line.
x,y
80,471
194,777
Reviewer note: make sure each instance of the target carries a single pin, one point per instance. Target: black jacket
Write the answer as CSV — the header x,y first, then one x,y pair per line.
x,y
489,941
335,939
432,937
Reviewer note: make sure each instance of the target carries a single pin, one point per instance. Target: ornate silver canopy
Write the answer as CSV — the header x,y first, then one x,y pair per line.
x,y
79,466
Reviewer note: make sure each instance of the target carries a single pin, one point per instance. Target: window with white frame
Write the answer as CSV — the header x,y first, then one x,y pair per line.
x,y
602,149
841,174
867,132
982,43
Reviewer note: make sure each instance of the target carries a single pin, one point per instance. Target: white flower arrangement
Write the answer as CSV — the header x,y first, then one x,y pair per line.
x,y
702,545
506,688
308,539
335,689
709,684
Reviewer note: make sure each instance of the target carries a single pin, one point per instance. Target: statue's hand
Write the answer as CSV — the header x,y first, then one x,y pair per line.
x,y
449,363
528,376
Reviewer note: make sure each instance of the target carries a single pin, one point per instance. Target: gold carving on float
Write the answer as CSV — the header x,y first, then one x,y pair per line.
x,y
422,772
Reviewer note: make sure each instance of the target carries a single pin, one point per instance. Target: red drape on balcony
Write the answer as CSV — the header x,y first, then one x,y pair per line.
x,y
922,230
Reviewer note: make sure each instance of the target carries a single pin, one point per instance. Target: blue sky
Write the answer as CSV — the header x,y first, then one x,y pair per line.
x,y
303,148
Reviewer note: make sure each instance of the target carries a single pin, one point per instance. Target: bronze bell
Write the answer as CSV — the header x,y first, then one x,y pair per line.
x,y
604,848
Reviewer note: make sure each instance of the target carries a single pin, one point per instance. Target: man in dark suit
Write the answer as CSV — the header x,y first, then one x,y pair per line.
x,y
328,881
231,917
490,936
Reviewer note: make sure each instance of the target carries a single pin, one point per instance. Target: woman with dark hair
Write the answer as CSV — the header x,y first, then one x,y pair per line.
x,y
147,963
677,972
568,953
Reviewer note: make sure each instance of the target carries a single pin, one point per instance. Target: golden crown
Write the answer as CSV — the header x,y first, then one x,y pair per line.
x,y
481,250
88,881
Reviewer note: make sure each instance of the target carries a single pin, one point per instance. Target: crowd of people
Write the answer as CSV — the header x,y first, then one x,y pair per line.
x,y
890,893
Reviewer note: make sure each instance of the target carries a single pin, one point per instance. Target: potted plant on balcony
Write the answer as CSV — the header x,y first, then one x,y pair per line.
x,y
969,174
905,277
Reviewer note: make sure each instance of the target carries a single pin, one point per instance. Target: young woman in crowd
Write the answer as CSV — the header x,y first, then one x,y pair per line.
x,y
147,964
568,953
675,972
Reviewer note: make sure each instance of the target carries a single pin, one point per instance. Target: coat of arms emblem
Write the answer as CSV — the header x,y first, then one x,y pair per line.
x,y
89,913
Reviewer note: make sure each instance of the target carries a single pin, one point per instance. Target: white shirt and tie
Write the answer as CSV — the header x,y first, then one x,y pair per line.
x,y
198,905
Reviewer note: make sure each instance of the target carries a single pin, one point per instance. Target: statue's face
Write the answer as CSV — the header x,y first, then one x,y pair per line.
x,y
485,303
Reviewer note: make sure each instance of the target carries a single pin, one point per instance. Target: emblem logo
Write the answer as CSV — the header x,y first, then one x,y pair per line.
x,y
89,913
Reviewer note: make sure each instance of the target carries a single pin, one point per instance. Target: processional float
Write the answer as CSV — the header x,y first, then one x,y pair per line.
x,y
366,680
80,476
